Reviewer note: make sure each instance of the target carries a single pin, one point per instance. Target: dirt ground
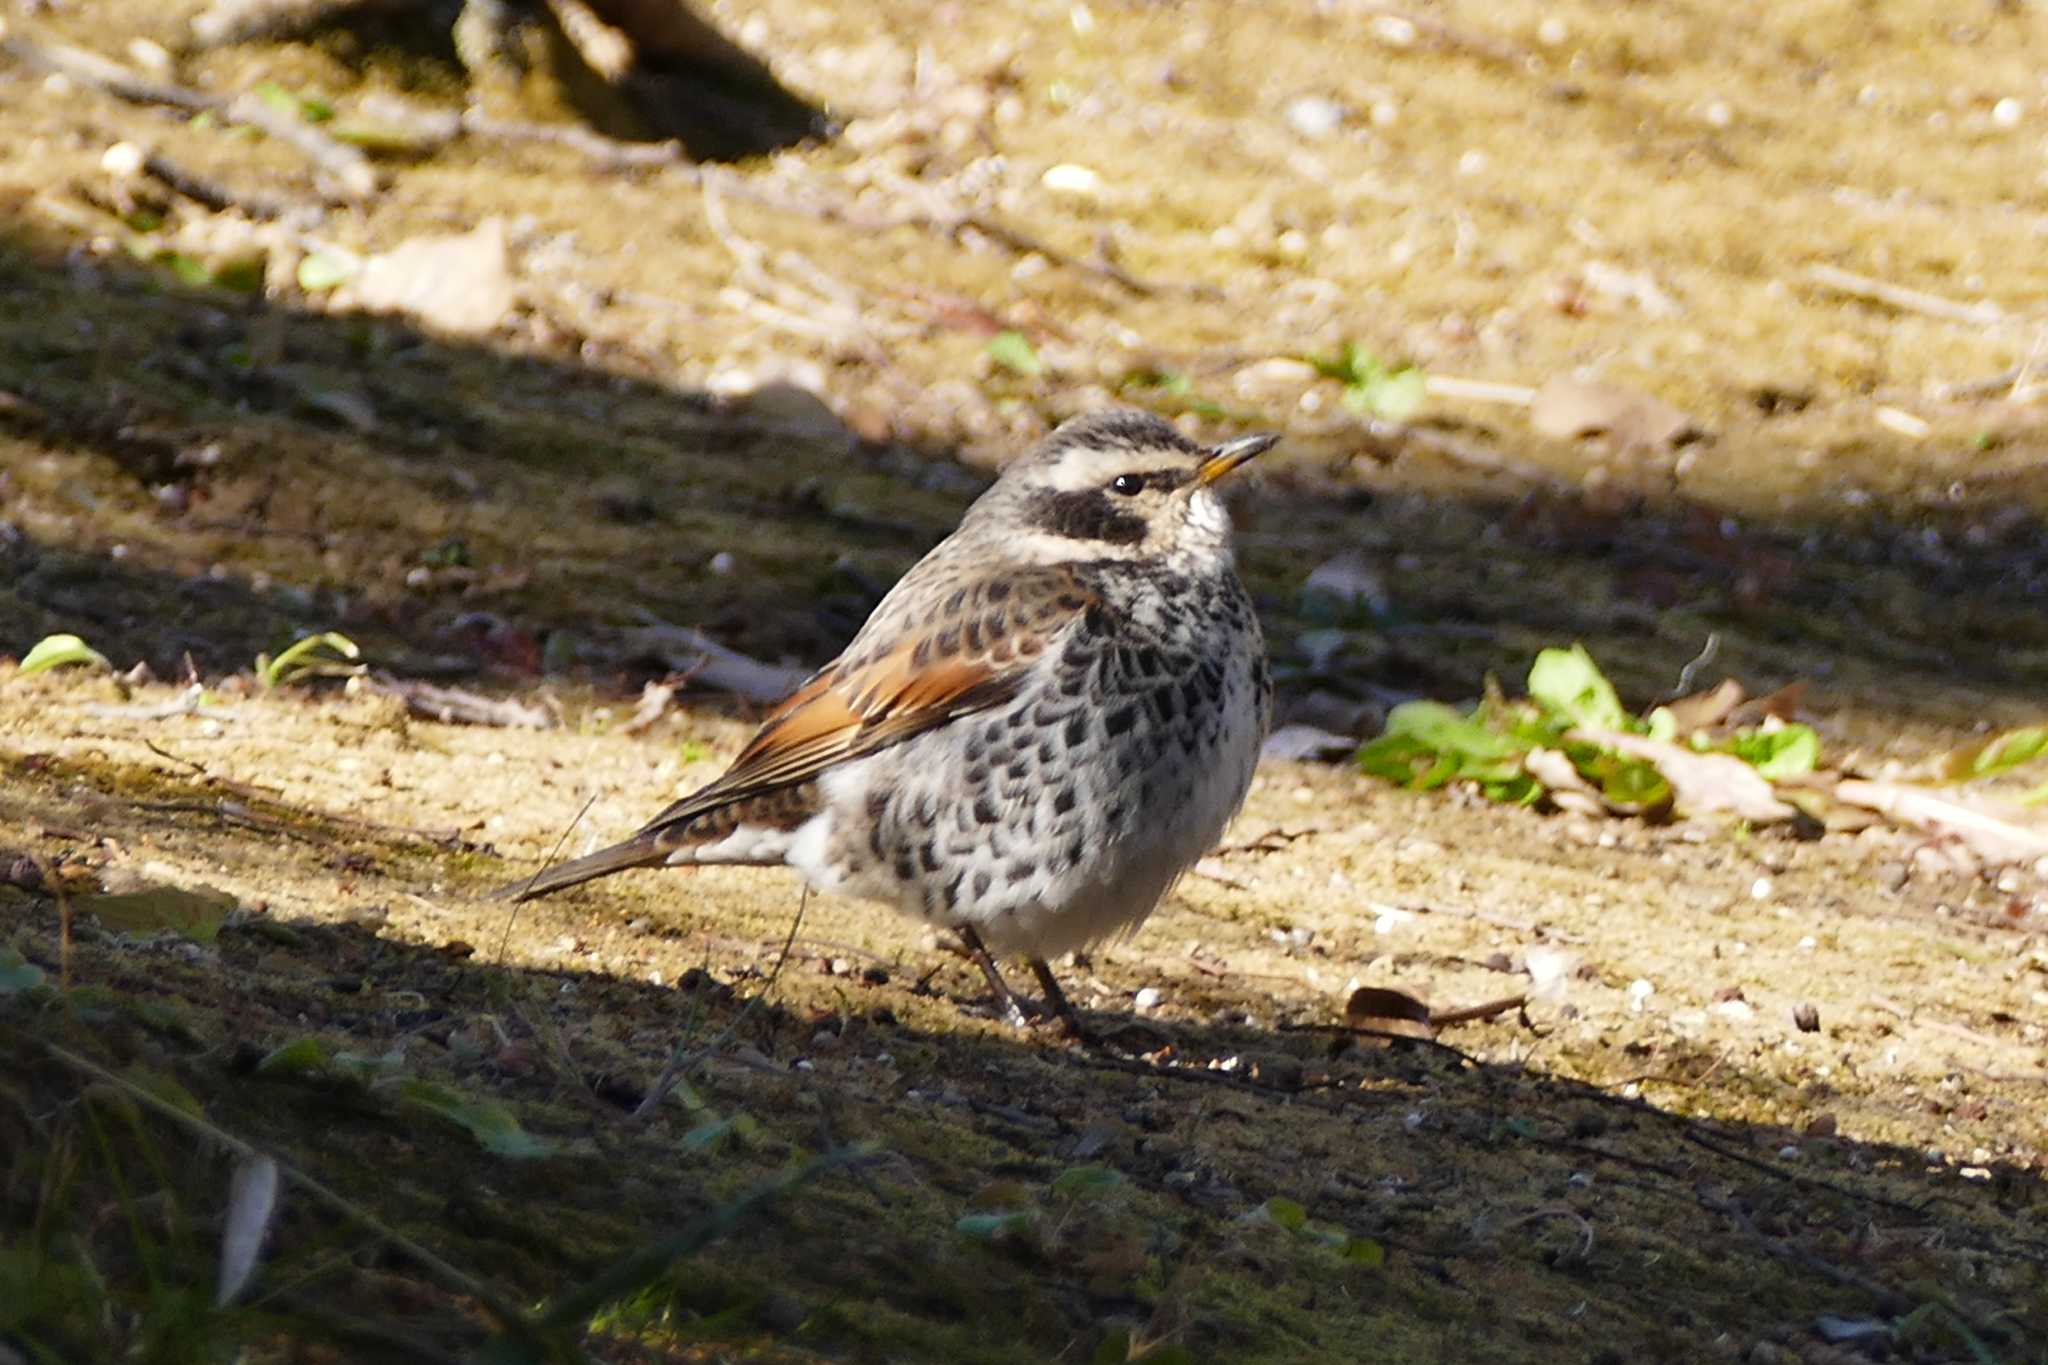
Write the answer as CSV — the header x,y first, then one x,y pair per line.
x,y
1649,1160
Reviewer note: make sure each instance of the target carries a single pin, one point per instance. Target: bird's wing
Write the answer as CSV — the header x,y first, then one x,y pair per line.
x,y
972,653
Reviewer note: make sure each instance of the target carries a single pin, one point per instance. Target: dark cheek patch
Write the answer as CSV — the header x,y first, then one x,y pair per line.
x,y
1086,514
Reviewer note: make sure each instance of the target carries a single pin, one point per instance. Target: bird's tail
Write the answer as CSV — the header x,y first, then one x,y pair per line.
x,y
640,851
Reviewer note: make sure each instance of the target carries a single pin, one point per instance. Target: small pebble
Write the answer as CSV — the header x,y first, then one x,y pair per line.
x,y
1148,998
1067,178
1315,115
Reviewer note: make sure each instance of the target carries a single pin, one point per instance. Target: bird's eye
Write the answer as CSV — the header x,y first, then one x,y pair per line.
x,y
1130,485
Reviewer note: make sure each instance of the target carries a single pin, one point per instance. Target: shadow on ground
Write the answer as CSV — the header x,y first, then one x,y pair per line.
x,y
197,471
1021,1201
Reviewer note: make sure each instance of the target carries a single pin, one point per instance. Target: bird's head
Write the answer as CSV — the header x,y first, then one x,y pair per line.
x,y
1117,485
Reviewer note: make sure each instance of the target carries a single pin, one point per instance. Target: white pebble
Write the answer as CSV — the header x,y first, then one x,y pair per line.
x,y
1067,178
1148,998
151,56
1808,944
1552,31
1394,31
1719,115
123,159
722,563
2006,113
1472,162
1315,115
1760,889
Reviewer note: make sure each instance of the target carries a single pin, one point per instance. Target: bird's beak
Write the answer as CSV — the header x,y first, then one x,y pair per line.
x,y
1231,454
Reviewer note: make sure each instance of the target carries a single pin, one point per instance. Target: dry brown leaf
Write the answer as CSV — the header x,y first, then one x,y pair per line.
x,y
1975,826
1782,704
1571,409
1701,784
461,283
1387,1011
1705,710
1562,782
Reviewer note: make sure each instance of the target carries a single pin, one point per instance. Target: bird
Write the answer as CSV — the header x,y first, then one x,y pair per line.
x,y
1038,730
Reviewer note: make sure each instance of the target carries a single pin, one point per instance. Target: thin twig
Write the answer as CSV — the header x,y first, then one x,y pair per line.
x,y
1983,313
605,152
213,194
512,917
1473,1013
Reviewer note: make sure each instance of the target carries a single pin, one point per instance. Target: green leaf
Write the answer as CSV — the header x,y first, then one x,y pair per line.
x,y
993,1227
189,269
1569,682
276,96
1623,780
1789,751
1349,363
1395,395
494,1126
17,973
196,912
2000,753
302,659
59,651
299,1057
1284,1213
1114,1349
1086,1180
1443,729
704,1134
1364,1251
325,269
1011,351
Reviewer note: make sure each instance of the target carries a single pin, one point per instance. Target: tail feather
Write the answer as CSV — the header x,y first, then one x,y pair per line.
x,y
636,852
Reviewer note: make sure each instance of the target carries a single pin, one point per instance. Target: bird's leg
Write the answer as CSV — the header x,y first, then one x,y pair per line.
x,y
1056,1000
1006,1002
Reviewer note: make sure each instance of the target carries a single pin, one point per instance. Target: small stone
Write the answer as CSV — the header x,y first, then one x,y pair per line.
x,y
1315,115
1149,998
1805,1017
1067,178
122,160
2007,112
1820,1126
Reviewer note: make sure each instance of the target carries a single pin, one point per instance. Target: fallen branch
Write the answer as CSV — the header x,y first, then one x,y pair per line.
x,y
212,194
691,651
342,172
456,706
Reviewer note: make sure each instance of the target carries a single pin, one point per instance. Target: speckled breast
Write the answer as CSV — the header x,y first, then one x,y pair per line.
x,y
1062,817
